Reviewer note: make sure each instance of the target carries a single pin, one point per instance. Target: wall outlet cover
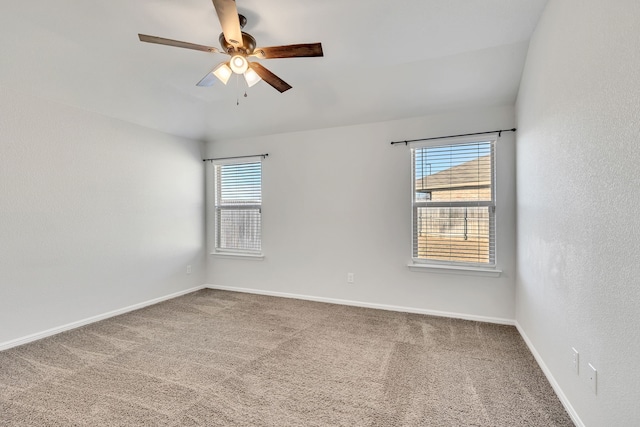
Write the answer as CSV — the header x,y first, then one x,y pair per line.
x,y
593,378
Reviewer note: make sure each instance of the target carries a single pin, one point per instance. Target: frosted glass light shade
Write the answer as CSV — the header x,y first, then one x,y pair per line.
x,y
238,64
251,77
222,72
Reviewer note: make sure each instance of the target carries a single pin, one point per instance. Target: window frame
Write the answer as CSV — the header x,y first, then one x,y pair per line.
x,y
457,266
231,252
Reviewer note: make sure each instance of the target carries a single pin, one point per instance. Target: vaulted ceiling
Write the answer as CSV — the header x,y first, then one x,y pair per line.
x,y
382,60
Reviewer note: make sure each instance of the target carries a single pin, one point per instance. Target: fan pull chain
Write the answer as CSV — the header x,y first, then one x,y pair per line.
x,y
238,90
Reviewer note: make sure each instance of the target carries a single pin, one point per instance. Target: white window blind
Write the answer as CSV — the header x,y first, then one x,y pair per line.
x,y
454,203
238,207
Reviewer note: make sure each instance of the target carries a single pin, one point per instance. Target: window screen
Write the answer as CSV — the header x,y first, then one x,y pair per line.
x,y
454,203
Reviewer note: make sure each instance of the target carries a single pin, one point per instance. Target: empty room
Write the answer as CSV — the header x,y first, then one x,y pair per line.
x,y
286,213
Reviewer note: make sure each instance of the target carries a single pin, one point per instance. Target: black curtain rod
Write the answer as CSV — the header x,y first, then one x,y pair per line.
x,y
454,136
264,156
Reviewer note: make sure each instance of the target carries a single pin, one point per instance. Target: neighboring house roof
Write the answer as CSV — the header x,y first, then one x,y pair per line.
x,y
471,174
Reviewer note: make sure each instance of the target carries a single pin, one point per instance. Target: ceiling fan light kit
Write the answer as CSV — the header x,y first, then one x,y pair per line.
x,y
240,45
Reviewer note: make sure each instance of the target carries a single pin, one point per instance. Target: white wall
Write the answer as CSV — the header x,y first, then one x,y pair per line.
x,y
95,214
578,162
338,200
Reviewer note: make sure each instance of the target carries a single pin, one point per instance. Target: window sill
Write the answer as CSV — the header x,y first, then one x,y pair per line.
x,y
455,269
253,257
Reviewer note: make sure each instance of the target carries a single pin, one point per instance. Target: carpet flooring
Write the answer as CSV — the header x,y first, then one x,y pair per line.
x,y
217,358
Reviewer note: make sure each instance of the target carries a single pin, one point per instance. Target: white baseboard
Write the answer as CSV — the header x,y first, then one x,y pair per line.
x,y
39,335
554,384
387,307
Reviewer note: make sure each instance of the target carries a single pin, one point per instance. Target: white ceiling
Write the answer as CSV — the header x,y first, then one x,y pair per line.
x,y
382,60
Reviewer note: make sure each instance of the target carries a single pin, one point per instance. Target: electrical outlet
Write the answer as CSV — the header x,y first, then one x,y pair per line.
x,y
575,361
350,278
593,378
189,269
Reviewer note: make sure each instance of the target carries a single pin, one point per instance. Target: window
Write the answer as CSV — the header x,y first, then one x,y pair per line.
x,y
454,202
238,207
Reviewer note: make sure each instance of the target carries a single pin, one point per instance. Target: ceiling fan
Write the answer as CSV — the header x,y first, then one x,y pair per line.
x,y
241,46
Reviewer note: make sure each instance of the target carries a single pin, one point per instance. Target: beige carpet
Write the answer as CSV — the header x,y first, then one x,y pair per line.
x,y
215,358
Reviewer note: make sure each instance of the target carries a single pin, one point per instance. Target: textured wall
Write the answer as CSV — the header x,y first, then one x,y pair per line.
x,y
339,200
95,214
578,205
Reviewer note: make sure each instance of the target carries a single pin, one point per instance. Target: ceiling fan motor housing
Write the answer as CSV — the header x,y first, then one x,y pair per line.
x,y
248,44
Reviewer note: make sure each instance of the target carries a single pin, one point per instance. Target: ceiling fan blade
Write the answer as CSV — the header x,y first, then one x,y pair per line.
x,y
228,17
177,43
208,80
289,51
266,75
